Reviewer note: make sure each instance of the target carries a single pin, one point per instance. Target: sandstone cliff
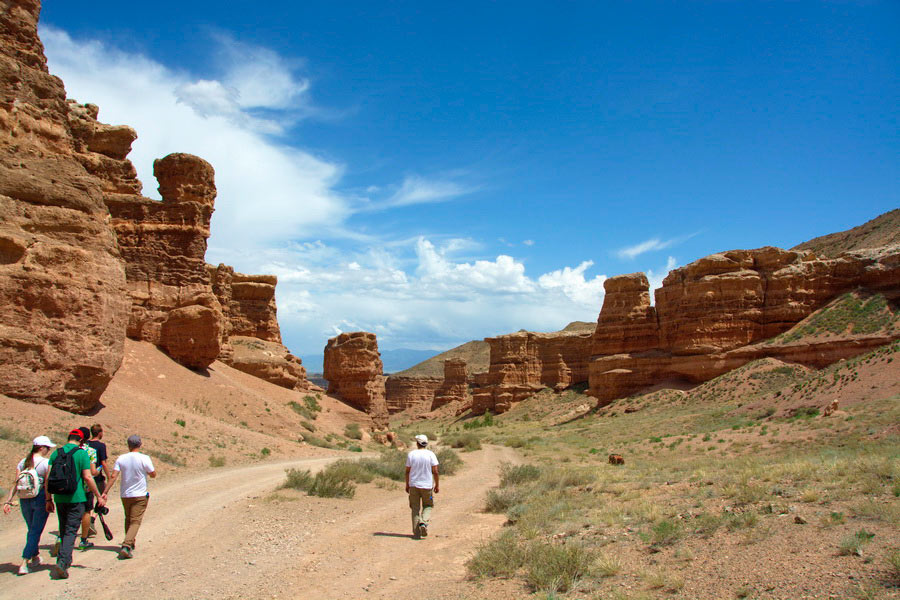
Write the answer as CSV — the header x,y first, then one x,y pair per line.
x,y
523,363
354,372
412,394
62,303
712,315
455,385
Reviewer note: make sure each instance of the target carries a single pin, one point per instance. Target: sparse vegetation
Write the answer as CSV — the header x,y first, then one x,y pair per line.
x,y
216,461
353,431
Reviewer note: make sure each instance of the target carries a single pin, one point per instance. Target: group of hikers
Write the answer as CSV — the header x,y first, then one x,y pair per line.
x,y
74,481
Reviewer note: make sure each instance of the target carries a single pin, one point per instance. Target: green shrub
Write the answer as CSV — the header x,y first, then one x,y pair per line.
x,y
665,533
353,431
468,441
354,449
180,422
499,500
303,411
350,470
329,484
307,426
298,480
515,474
556,568
312,404
217,461
449,460
390,464
563,478
265,452
501,557
486,421
314,441
853,544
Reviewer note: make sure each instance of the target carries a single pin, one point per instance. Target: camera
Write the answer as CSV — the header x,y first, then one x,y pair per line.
x,y
101,510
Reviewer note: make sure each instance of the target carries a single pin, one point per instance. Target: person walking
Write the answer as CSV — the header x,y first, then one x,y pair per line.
x,y
89,502
421,479
100,448
70,506
134,467
34,508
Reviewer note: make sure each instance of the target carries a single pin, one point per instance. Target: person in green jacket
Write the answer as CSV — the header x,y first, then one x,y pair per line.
x,y
70,507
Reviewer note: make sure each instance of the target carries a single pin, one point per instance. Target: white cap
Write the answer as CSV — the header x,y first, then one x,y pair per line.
x,y
422,439
43,440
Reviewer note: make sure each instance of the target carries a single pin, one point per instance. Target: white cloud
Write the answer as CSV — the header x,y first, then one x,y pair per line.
x,y
420,190
277,203
528,242
269,192
651,245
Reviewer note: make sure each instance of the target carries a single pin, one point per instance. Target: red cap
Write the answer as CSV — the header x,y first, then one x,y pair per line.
x,y
77,432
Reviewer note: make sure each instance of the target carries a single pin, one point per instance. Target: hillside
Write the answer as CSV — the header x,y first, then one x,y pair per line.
x,y
883,230
189,418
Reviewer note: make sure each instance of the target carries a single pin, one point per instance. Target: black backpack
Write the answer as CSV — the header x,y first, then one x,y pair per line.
x,y
62,478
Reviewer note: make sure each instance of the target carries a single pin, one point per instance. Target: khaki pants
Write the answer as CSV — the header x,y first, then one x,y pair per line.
x,y
134,514
425,498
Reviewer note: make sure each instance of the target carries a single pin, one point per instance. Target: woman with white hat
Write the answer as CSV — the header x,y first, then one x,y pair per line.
x,y
29,485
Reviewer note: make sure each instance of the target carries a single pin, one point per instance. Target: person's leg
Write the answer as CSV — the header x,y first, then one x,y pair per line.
x,y
136,515
72,514
86,521
414,509
34,511
427,505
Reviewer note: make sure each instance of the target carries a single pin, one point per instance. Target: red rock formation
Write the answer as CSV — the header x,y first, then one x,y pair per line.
x,y
523,363
354,372
267,360
191,335
455,385
248,302
412,394
712,314
62,306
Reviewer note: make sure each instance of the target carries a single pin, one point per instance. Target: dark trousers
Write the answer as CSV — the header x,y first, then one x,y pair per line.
x,y
34,511
69,516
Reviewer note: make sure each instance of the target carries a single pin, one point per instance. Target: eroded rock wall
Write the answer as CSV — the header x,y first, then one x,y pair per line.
x,y
412,394
63,309
523,363
354,372
455,385
711,315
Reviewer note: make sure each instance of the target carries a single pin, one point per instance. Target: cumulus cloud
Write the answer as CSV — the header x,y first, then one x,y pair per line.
x,y
573,284
269,192
655,276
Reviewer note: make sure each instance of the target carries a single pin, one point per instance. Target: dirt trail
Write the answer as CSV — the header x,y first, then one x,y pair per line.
x,y
221,534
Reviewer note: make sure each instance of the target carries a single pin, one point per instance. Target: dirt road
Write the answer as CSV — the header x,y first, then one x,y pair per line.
x,y
222,533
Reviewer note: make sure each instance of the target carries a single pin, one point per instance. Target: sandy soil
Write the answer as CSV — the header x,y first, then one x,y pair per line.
x,y
223,533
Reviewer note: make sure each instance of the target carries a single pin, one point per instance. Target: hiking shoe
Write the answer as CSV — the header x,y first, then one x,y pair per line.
x,y
85,544
36,561
54,549
60,572
423,530
125,553
23,568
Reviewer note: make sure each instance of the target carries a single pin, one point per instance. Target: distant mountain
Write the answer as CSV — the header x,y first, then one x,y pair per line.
x,y
883,230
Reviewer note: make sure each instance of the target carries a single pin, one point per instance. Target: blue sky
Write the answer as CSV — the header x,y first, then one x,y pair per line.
x,y
444,173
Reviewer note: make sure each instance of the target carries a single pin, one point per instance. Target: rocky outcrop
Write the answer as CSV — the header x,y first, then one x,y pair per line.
x,y
191,334
712,314
164,247
354,372
62,305
248,303
525,362
267,360
455,385
412,394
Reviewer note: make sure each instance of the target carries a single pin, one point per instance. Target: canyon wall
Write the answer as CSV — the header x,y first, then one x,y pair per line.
x,y
412,394
523,363
712,315
63,308
355,373
85,259
455,385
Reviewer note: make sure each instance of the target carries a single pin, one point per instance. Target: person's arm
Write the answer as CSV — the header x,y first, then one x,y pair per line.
x,y
110,481
89,483
437,479
7,504
104,468
49,503
407,480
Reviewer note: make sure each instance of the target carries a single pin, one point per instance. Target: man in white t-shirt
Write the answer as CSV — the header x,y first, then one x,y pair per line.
x,y
134,468
421,478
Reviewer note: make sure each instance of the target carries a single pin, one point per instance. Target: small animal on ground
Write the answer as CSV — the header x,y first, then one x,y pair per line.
x,y
616,459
